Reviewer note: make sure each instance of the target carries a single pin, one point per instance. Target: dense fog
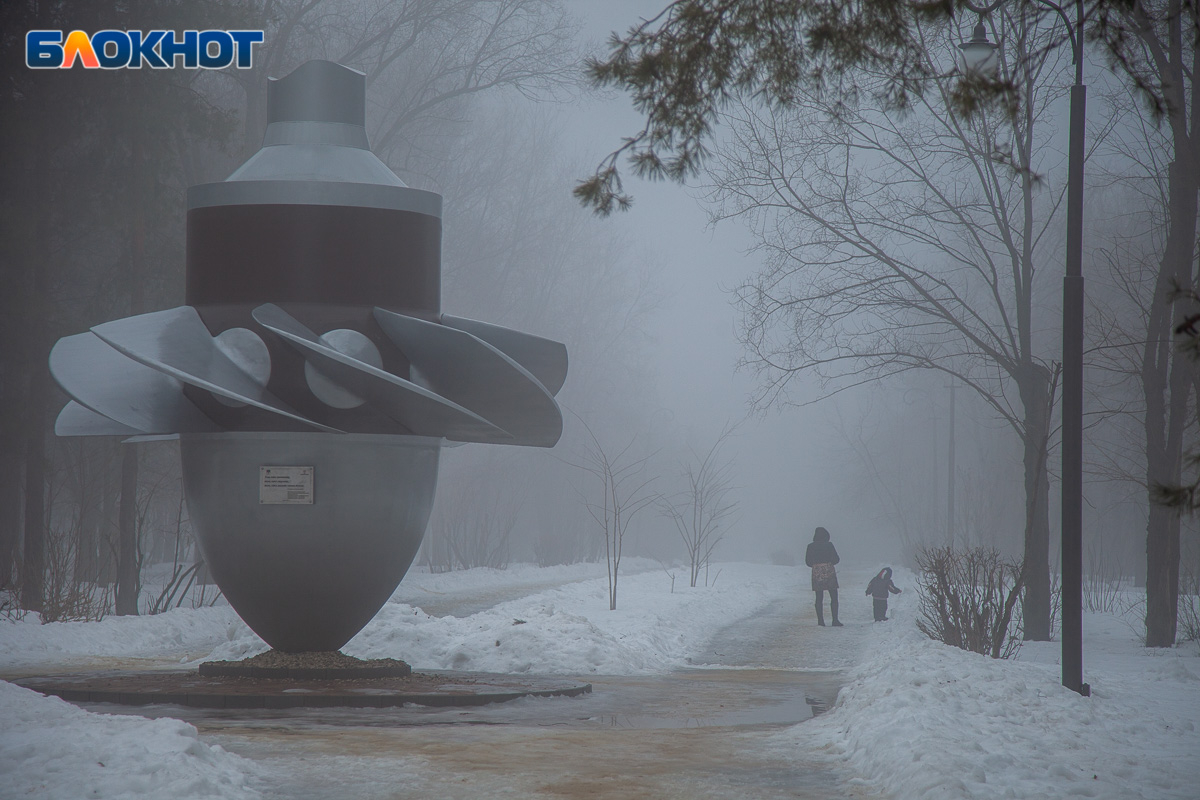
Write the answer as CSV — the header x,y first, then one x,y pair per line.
x,y
670,355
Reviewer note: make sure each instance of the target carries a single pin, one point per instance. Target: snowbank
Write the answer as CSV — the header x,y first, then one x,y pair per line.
x,y
182,633
923,720
187,636
52,750
569,629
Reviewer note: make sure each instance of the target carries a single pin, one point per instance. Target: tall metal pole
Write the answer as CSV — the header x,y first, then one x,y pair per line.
x,y
1072,402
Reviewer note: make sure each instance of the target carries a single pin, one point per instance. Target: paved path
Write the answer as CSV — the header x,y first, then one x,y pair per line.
x,y
465,602
718,731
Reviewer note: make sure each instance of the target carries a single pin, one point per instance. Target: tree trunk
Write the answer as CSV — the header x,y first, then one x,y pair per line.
x,y
10,507
106,546
33,558
33,562
89,505
1167,413
1035,386
127,558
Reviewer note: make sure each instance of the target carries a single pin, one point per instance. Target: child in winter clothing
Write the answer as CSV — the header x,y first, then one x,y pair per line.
x,y
878,588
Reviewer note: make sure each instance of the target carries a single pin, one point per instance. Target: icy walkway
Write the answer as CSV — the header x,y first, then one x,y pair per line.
x,y
701,731
696,734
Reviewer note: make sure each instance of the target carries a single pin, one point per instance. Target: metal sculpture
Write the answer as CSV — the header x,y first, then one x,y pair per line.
x,y
311,378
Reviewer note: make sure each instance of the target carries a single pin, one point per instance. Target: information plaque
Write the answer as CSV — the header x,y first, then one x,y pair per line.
x,y
285,485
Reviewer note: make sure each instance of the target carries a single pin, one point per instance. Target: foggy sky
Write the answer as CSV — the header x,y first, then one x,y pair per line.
x,y
782,458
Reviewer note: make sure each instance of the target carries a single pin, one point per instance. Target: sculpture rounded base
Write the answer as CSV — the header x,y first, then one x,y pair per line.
x,y
308,534
321,665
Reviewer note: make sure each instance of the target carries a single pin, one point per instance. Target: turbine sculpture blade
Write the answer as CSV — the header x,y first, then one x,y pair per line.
x,y
476,375
77,420
417,408
545,359
177,343
132,395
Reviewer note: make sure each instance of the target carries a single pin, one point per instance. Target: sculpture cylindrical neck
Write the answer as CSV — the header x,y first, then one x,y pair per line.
x,y
314,217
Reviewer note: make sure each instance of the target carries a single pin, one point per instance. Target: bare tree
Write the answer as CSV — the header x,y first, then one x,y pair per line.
x,y
909,242
625,491
1161,58
702,509
683,65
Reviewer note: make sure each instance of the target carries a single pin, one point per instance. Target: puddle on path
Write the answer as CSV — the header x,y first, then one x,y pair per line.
x,y
701,733
693,734
487,762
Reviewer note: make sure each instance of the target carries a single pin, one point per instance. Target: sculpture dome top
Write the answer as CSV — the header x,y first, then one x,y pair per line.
x,y
318,91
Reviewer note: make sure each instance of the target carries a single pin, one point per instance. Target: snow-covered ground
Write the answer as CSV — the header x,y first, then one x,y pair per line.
x,y
51,749
915,718
923,720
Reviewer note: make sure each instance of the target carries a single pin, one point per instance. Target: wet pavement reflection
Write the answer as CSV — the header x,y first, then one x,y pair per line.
x,y
717,730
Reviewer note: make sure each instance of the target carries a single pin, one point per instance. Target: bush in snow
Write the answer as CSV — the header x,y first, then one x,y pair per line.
x,y
967,599
1189,606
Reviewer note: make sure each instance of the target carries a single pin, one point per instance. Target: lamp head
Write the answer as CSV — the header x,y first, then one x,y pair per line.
x,y
979,54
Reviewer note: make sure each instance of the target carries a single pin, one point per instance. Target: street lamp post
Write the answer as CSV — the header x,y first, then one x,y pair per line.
x,y
979,55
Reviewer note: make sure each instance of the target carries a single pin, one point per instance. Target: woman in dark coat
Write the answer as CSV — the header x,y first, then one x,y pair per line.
x,y
821,556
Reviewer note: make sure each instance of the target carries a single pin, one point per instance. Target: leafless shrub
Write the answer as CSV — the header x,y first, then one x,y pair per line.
x,y
175,591
472,526
702,510
1103,582
967,599
65,598
625,493
670,575
1055,600
438,556
203,600
178,587
1189,606
10,606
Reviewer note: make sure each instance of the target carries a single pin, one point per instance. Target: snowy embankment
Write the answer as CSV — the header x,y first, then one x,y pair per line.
x,y
52,749
919,719
567,629
187,636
